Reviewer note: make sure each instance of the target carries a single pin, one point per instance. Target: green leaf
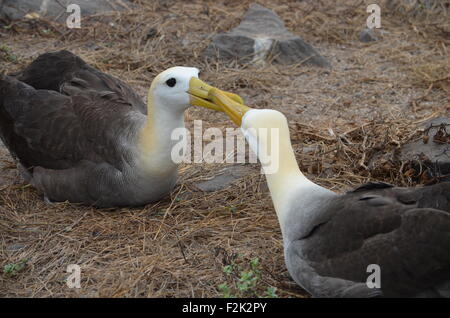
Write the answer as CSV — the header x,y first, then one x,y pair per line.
x,y
228,269
271,292
13,269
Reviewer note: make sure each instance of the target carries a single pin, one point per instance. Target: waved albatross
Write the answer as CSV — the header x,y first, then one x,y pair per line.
x,y
86,137
330,240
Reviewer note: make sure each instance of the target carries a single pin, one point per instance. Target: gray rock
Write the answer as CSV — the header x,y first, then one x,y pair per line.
x,y
262,33
310,149
367,35
92,46
225,179
15,247
56,10
433,156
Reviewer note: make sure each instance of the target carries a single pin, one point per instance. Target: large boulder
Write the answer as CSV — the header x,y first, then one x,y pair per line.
x,y
56,10
262,34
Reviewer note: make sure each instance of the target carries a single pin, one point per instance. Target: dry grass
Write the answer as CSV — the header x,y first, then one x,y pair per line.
x,y
371,102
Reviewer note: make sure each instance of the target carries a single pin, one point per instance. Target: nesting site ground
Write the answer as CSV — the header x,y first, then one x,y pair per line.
x,y
346,125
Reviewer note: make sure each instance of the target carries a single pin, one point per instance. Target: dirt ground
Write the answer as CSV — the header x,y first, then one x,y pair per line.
x,y
225,242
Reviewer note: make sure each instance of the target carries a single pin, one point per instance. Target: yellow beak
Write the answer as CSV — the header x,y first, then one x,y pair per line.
x,y
199,92
234,110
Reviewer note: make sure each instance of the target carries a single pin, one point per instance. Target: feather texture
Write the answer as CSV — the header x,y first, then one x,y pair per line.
x,y
406,231
75,130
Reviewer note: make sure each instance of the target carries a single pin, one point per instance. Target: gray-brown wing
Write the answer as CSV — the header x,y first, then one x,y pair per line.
x,y
435,196
409,243
53,71
55,131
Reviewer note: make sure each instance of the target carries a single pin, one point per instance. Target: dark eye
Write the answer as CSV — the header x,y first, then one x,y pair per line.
x,y
171,82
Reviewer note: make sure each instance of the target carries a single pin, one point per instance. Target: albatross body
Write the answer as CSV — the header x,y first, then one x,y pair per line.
x,y
86,137
330,240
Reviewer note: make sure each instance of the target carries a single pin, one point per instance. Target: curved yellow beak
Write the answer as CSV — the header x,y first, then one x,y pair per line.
x,y
199,92
235,110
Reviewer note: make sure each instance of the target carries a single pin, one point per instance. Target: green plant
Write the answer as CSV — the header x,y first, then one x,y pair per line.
x,y
225,290
6,54
13,269
228,269
244,280
271,292
248,280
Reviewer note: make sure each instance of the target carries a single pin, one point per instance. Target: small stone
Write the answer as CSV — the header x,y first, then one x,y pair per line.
x,y
367,35
15,247
310,149
225,179
151,33
92,46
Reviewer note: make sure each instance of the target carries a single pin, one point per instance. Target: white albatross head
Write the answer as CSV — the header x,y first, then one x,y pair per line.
x,y
179,87
170,94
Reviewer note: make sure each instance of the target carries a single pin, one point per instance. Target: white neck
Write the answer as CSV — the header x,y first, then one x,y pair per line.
x,y
287,184
289,188
155,138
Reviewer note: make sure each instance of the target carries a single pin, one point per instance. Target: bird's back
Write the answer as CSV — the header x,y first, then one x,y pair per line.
x,y
64,72
404,231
